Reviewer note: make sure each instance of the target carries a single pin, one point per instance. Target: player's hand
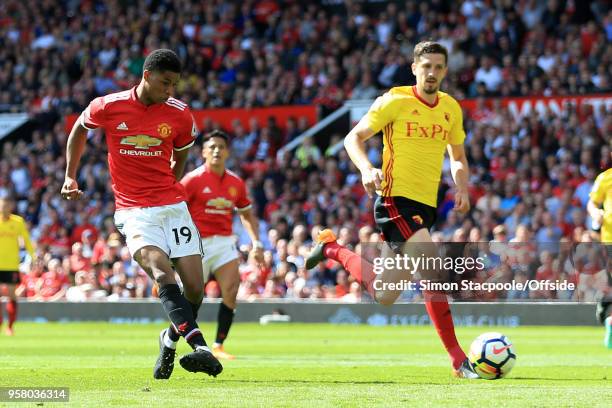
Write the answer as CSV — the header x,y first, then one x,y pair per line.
x,y
372,181
597,216
70,189
462,201
258,255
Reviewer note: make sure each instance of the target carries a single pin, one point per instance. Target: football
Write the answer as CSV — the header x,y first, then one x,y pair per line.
x,y
492,355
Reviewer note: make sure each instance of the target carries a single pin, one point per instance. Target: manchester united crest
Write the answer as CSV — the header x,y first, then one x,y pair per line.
x,y
164,129
417,219
232,191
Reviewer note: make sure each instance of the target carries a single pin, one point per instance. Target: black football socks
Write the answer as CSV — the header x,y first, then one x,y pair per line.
x,y
224,319
181,314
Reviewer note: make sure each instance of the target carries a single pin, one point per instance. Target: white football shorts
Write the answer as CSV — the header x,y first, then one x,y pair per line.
x,y
218,250
168,227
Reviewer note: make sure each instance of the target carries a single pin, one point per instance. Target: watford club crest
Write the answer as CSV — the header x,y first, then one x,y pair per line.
x,y
164,130
417,219
447,116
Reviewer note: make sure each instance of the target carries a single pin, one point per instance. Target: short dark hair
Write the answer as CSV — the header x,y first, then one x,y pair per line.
x,y
430,47
215,133
163,60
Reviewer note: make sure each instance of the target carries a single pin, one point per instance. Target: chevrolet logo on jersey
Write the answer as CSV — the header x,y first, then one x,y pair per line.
x,y
220,203
141,141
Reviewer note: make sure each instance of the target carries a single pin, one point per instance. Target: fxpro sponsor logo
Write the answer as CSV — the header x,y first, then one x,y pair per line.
x,y
141,146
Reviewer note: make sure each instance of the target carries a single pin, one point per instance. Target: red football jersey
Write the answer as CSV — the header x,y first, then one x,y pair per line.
x,y
212,199
140,142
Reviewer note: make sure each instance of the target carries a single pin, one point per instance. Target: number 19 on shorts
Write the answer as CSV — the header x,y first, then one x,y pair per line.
x,y
182,235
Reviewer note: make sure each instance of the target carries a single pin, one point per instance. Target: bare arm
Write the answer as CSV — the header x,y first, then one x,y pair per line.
x,y
59,295
251,224
27,242
179,159
595,212
74,150
354,143
460,172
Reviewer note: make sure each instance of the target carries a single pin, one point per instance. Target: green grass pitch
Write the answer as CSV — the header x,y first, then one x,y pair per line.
x,y
309,365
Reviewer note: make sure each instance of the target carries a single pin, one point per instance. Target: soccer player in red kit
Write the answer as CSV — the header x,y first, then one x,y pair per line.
x,y
148,134
212,194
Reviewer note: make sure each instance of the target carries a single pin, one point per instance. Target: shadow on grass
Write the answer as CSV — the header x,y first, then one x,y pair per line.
x,y
415,382
308,381
554,379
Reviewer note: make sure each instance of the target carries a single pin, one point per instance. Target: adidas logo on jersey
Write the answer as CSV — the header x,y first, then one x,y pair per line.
x,y
415,112
206,190
122,126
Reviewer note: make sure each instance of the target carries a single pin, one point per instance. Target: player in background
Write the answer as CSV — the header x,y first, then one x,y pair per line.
x,y
13,236
601,196
148,134
212,194
419,123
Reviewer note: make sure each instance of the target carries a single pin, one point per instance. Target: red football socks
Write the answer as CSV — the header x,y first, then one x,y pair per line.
x,y
442,319
359,268
436,303
11,309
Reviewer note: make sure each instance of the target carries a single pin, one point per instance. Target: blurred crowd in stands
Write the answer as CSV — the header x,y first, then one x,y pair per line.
x,y
530,178
57,55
